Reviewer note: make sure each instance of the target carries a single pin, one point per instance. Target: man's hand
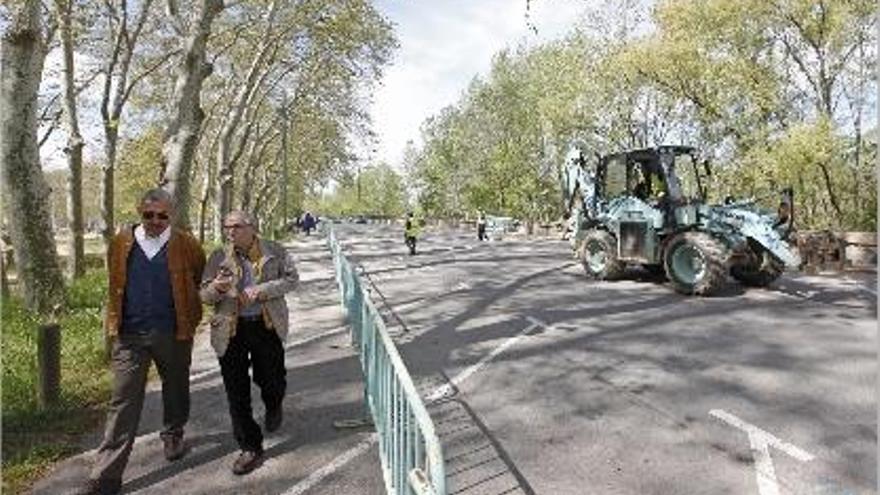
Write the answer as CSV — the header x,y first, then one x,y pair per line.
x,y
223,281
250,294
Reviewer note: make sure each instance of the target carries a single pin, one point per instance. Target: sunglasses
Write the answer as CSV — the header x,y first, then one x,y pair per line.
x,y
148,215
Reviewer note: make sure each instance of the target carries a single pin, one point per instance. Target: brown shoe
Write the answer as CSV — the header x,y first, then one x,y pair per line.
x,y
247,461
174,447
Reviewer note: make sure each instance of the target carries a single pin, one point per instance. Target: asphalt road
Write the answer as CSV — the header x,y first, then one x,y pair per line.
x,y
570,386
542,382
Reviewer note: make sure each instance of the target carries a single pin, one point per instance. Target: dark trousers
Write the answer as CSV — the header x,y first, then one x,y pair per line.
x,y
410,241
481,233
253,345
130,361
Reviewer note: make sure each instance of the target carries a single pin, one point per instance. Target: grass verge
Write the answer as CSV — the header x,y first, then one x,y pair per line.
x,y
34,439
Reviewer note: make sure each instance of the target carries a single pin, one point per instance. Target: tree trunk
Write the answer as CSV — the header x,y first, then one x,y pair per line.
x,y
4,278
5,248
107,182
255,158
203,200
183,132
263,193
248,178
75,143
111,133
116,81
25,190
829,188
225,163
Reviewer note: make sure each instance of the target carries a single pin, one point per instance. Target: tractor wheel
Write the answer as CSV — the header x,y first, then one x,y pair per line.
x,y
696,263
760,274
598,254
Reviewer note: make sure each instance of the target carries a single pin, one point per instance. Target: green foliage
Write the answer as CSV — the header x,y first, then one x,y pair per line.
x,y
741,80
88,291
18,350
34,438
376,191
329,54
800,159
82,349
137,170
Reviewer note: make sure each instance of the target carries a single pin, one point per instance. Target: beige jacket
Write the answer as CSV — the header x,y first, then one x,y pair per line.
x,y
278,276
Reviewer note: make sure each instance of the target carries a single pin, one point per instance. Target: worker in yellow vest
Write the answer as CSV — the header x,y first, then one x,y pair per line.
x,y
411,232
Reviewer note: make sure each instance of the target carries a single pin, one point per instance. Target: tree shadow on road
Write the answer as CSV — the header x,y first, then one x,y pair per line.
x,y
619,319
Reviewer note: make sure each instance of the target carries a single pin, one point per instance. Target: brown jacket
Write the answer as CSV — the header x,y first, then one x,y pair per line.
x,y
186,261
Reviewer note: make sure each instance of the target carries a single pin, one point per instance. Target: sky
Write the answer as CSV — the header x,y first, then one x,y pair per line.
x,y
443,45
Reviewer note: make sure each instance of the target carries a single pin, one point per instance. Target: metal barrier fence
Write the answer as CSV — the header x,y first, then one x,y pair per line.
x,y
412,460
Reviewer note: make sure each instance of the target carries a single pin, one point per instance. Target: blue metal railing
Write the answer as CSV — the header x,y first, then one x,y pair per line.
x,y
412,460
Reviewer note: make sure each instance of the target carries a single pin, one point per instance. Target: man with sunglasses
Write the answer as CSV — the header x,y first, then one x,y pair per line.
x,y
247,281
153,309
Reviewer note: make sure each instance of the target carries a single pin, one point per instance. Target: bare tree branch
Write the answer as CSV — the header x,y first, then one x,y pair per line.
x,y
146,72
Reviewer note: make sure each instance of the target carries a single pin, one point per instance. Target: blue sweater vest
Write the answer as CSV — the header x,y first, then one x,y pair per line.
x,y
148,305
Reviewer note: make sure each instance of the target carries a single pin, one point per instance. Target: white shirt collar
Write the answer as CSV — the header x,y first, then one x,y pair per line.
x,y
151,245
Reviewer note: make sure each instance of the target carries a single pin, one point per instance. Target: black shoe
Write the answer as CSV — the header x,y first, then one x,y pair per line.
x,y
273,419
99,487
173,446
247,461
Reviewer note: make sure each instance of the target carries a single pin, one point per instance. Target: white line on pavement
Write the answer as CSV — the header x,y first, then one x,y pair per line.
x,y
328,333
464,375
538,323
439,392
317,476
761,441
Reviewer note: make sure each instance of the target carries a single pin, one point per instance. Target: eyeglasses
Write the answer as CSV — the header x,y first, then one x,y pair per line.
x,y
236,226
148,215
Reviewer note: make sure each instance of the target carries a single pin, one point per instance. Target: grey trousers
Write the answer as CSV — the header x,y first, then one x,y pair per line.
x,y
130,360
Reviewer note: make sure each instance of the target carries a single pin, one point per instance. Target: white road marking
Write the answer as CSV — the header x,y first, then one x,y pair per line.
x,y
761,441
341,460
349,455
328,333
538,323
465,374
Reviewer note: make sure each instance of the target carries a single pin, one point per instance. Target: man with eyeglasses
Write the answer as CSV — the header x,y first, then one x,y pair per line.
x,y
153,309
246,281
